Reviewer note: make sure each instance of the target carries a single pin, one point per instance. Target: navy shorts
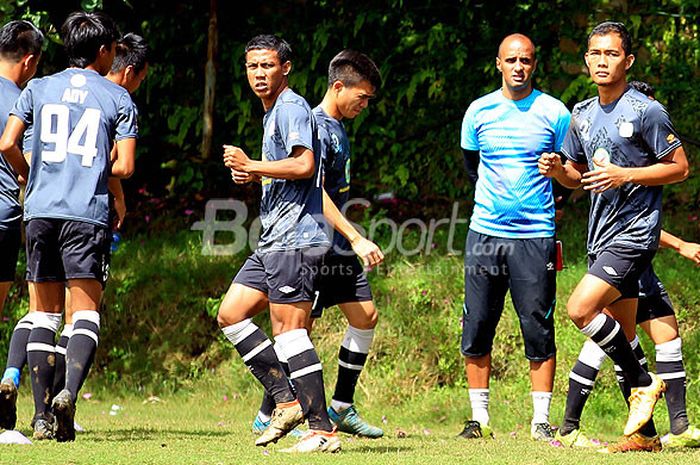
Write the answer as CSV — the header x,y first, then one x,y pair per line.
x,y
286,277
654,301
10,243
341,280
492,266
621,268
59,250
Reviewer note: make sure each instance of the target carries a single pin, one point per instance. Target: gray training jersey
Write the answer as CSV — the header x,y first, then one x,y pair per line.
x,y
291,211
633,131
335,156
76,115
10,209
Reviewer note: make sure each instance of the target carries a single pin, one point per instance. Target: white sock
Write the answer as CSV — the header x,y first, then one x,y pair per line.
x,y
339,406
540,403
264,418
479,399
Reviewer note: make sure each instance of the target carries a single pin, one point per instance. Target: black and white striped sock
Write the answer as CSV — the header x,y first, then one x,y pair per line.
x,y
306,373
59,379
41,351
17,352
669,366
351,361
581,382
81,348
255,348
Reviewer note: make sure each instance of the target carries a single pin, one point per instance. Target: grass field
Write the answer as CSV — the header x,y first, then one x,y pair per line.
x,y
159,338
203,428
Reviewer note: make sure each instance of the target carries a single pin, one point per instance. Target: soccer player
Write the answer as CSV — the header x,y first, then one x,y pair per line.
x,y
129,69
656,316
623,148
20,51
353,79
282,270
76,117
510,243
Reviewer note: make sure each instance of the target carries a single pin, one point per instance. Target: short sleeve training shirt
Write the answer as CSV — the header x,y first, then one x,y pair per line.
x,y
291,211
10,209
75,115
512,199
633,131
335,157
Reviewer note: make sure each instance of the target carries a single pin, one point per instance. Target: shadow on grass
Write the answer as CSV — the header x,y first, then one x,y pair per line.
x,y
145,434
378,449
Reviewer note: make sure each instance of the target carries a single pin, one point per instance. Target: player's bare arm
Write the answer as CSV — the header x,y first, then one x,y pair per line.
x,y
370,254
124,164
568,175
689,250
10,148
671,169
115,188
299,165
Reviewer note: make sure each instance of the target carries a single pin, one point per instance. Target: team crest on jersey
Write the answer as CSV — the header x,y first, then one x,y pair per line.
x,y
626,129
670,138
335,142
78,80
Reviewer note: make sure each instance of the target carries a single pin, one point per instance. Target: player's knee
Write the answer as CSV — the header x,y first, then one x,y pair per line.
x,y
578,313
226,318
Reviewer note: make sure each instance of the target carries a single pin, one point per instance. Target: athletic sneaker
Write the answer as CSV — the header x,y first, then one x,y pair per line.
x,y
43,426
474,430
8,404
284,420
575,439
259,426
688,438
63,409
316,441
636,442
541,432
349,421
642,402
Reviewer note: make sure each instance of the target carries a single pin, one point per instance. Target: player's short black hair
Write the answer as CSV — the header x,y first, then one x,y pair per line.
x,y
271,42
18,39
607,27
84,33
132,50
351,67
643,87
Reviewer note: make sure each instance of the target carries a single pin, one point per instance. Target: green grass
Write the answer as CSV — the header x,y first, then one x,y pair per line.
x,y
159,337
203,428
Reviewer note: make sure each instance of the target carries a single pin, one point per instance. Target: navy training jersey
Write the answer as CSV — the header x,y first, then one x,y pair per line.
x,y
291,211
10,209
335,157
75,115
633,131
512,199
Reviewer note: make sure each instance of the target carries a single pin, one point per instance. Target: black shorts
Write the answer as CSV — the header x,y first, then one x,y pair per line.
x,y
341,280
59,250
10,243
621,268
492,265
654,301
285,277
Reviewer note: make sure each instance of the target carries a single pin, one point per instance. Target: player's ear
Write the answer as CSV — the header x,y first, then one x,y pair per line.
x,y
498,64
629,61
286,67
338,86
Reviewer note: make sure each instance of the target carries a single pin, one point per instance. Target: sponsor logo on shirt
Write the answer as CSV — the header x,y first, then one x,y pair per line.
x,y
286,289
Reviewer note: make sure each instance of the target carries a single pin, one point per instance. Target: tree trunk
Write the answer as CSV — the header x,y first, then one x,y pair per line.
x,y
210,81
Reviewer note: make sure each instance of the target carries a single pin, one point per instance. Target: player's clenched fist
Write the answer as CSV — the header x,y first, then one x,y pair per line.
x,y
235,158
549,164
